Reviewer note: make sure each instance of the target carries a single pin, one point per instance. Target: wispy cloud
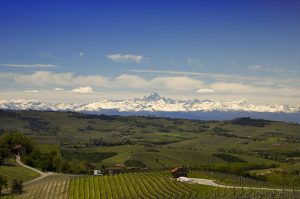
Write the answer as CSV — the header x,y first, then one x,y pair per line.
x,y
81,54
171,72
268,69
83,90
30,65
31,91
59,89
125,57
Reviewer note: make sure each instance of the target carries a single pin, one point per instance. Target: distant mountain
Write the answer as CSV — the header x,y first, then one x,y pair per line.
x,y
154,104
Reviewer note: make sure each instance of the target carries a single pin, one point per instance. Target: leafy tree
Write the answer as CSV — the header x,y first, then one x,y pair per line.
x,y
17,187
10,140
3,183
4,154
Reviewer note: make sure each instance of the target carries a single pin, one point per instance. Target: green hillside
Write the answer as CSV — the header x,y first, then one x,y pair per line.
x,y
157,142
13,171
241,152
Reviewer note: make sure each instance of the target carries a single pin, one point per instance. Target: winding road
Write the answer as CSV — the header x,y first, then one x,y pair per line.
x,y
43,174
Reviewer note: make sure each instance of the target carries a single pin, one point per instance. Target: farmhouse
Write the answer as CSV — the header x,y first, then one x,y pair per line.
x,y
179,172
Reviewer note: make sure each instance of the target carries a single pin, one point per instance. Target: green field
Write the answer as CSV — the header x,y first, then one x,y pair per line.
x,y
135,185
13,171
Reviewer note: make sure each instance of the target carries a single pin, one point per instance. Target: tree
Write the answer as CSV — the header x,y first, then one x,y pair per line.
x,y
3,183
4,154
17,187
10,140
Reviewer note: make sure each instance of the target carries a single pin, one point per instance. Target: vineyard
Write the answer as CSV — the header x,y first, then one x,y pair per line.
x,y
136,185
14,171
55,186
82,156
235,180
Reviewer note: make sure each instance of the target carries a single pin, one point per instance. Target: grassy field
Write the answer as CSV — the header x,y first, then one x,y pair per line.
x,y
13,171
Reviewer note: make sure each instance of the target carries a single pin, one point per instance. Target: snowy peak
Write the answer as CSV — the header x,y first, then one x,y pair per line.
x,y
153,96
150,103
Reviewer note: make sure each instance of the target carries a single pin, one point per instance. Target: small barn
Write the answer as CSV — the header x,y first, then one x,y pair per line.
x,y
179,172
97,173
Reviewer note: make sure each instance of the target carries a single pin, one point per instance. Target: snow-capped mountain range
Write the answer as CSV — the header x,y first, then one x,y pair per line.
x,y
154,104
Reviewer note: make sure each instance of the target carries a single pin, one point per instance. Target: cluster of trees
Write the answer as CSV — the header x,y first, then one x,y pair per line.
x,y
85,156
102,142
235,168
16,185
37,125
284,178
31,155
247,121
9,141
53,161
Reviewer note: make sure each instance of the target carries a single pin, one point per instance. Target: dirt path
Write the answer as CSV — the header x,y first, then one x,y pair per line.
x,y
43,174
214,184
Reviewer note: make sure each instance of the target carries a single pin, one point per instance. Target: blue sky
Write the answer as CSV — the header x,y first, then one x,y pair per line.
x,y
119,49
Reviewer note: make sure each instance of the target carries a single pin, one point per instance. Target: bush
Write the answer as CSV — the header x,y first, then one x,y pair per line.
x,y
17,187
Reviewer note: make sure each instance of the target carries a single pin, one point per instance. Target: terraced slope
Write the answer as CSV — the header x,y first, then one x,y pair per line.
x,y
54,186
15,171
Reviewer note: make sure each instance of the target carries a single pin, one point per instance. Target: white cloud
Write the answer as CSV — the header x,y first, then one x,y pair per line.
x,y
193,62
30,65
179,83
256,67
125,57
31,91
47,78
83,90
81,54
170,84
59,89
205,90
129,81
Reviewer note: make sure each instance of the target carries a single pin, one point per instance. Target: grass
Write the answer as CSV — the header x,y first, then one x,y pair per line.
x,y
14,171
